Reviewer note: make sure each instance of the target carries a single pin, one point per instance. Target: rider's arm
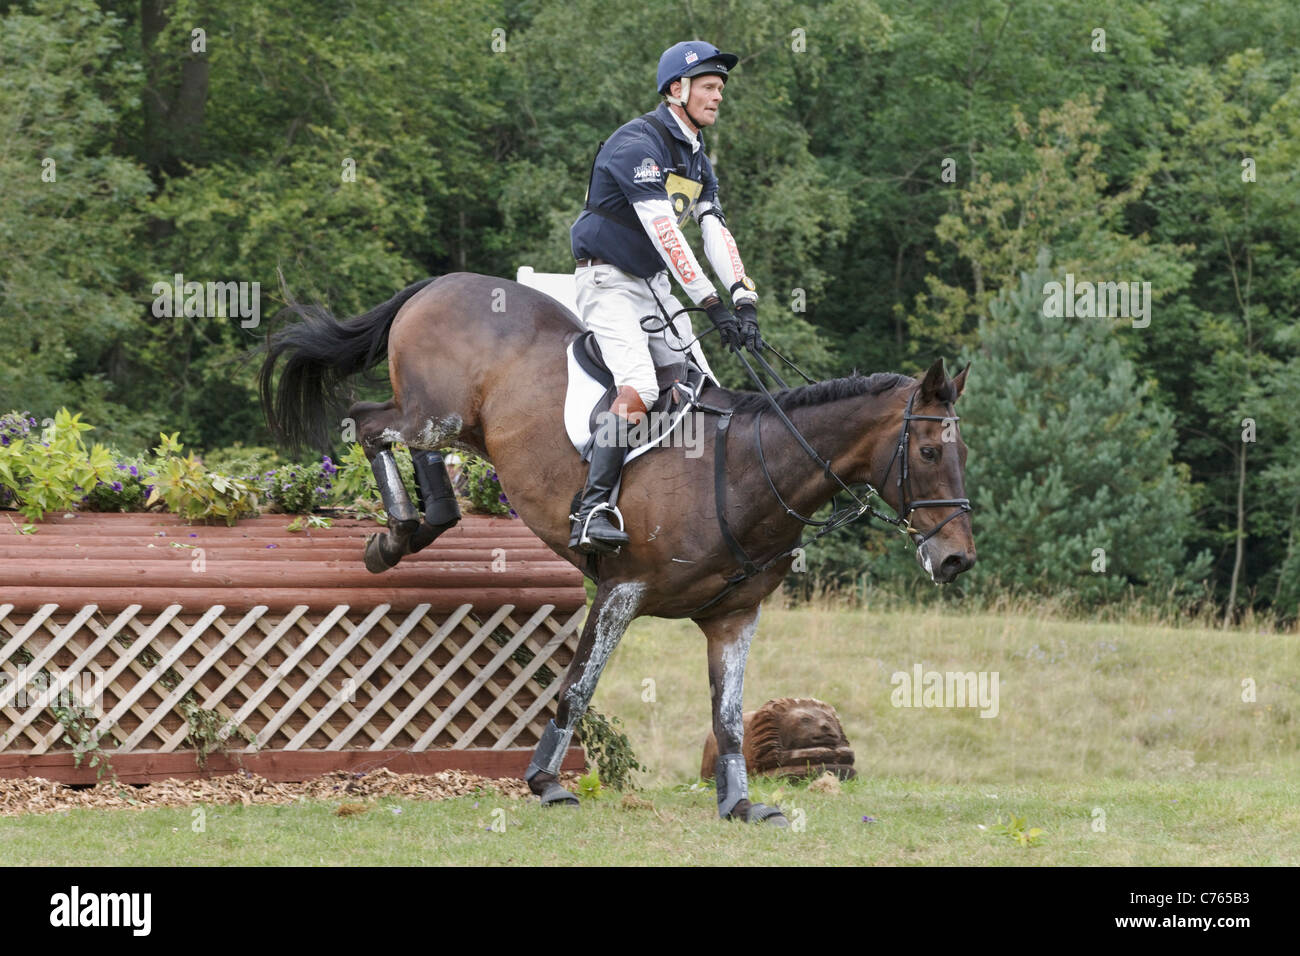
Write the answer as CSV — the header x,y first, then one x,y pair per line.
x,y
720,247
660,224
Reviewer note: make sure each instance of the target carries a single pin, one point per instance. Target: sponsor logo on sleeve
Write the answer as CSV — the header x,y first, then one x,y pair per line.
x,y
666,230
647,172
737,266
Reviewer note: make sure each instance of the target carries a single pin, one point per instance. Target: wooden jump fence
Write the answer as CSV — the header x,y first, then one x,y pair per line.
x,y
180,650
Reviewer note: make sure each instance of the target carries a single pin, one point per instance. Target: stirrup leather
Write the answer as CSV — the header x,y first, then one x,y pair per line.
x,y
584,538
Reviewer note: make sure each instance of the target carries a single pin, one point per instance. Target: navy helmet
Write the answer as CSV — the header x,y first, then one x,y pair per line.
x,y
692,58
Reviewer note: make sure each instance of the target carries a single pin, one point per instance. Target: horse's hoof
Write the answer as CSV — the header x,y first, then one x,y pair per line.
x,y
555,794
377,557
772,816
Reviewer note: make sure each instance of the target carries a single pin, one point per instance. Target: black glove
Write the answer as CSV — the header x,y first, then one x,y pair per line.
x,y
726,323
748,314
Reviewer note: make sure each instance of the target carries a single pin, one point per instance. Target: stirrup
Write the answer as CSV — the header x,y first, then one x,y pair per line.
x,y
584,539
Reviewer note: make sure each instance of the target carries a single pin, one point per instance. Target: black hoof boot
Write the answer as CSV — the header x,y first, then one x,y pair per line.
x,y
437,498
403,519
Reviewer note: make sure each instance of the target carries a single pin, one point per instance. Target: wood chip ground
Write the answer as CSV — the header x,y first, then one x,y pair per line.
x,y
36,795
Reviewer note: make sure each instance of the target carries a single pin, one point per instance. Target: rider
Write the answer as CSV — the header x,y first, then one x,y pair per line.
x,y
647,178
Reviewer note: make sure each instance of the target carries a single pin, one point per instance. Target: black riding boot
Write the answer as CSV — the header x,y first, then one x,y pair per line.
x,y
437,498
592,528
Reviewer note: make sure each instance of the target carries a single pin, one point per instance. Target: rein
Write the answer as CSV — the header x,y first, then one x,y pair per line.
x,y
839,517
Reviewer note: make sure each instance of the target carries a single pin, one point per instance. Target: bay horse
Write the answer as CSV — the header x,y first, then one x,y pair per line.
x,y
478,363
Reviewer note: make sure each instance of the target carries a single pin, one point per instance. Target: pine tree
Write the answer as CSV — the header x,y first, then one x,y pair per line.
x,y
1071,465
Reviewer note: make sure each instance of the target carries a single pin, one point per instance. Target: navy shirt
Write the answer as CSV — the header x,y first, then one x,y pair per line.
x,y
631,166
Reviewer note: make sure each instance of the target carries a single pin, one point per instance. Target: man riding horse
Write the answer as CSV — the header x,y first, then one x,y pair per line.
x,y
645,181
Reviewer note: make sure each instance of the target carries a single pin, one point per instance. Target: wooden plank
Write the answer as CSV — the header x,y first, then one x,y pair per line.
x,y
398,681
125,656
281,766
299,697
91,651
371,664
190,679
251,659
288,664
540,657
443,676
481,678
440,601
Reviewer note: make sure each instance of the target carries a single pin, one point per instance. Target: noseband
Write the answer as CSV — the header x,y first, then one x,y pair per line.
x,y
839,517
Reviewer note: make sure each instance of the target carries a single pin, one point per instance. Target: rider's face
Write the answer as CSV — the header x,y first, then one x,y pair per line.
x,y
706,95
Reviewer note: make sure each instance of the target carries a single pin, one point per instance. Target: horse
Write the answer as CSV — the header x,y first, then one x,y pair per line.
x,y
478,363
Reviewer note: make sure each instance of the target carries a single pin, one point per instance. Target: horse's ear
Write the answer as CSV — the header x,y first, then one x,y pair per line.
x,y
933,382
959,381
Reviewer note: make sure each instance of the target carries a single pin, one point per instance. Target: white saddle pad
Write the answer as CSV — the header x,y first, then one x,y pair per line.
x,y
584,392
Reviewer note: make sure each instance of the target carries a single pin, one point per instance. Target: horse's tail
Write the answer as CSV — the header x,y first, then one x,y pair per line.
x,y
320,353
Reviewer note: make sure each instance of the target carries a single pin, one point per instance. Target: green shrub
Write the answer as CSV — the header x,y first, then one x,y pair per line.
x,y
52,473
191,491
126,492
297,489
483,488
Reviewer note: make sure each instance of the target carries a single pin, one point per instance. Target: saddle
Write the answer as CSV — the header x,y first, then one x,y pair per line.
x,y
591,392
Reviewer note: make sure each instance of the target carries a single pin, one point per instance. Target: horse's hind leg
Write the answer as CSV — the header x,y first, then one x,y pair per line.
x,y
378,427
437,498
611,612
729,638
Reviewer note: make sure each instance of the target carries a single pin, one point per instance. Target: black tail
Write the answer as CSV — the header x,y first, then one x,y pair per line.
x,y
321,352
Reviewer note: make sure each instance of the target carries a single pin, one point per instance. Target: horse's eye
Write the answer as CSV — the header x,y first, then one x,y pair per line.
x,y
930,454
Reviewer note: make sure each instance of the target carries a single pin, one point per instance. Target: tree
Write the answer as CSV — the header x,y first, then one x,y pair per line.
x,y
1073,481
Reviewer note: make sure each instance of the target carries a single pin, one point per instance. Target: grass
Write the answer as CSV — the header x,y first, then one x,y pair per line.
x,y
1216,822
1140,727
1077,700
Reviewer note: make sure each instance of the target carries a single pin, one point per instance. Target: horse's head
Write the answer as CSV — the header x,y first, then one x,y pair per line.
x,y
925,479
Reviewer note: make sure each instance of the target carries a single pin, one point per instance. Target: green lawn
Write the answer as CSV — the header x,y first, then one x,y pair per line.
x,y
1246,822
1141,729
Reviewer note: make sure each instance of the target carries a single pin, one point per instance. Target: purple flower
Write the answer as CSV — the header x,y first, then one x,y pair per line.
x,y
869,820
117,486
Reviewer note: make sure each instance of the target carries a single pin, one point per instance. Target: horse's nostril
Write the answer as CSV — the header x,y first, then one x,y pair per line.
x,y
956,563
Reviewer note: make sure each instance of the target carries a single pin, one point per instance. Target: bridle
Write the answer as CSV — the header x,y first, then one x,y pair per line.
x,y
905,502
839,517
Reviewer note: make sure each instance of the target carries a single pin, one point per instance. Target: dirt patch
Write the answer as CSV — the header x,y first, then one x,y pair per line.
x,y
36,795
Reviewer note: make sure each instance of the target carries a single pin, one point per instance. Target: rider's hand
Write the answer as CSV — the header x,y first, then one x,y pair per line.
x,y
726,324
747,312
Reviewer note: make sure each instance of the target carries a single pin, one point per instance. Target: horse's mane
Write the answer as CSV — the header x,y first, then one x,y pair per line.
x,y
819,393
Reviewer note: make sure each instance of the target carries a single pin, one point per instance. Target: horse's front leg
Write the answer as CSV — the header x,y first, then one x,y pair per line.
x,y
729,639
611,612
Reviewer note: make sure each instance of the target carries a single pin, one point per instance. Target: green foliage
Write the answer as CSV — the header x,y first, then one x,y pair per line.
x,y
191,491
306,522
1073,454
589,787
297,489
609,748
78,722
126,492
328,159
52,474
1014,829
483,487
250,462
